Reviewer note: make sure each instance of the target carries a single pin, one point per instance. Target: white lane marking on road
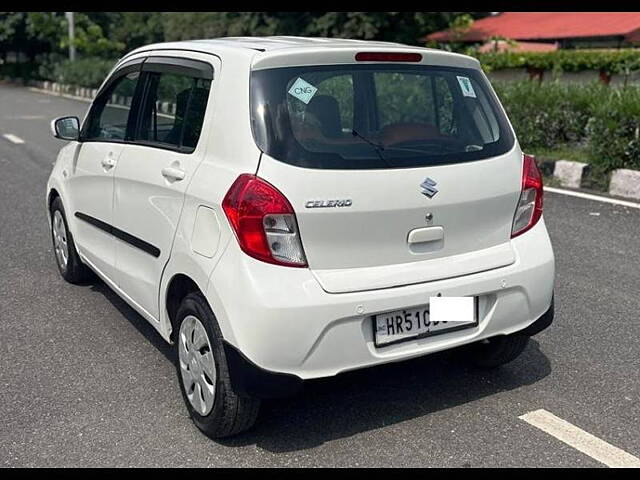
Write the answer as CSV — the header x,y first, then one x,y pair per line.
x,y
589,196
12,138
583,441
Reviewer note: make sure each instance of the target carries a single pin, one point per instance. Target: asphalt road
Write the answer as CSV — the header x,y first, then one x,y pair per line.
x,y
85,381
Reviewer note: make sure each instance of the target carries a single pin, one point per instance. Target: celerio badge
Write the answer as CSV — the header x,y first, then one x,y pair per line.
x,y
328,203
428,187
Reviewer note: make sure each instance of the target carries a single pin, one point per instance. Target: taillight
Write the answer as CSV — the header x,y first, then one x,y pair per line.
x,y
529,208
264,222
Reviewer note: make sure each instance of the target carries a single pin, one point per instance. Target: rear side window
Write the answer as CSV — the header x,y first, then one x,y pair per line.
x,y
376,116
172,111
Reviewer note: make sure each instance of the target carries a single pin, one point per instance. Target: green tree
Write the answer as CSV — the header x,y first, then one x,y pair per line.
x,y
91,33
404,27
17,36
184,26
91,40
135,29
42,36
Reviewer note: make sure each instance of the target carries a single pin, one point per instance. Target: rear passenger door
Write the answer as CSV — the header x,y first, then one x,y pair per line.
x,y
155,169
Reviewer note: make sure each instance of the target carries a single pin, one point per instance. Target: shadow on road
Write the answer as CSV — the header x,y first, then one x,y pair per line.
x,y
368,399
363,400
140,323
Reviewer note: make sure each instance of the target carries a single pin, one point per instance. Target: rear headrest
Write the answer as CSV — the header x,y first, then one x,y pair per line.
x,y
326,109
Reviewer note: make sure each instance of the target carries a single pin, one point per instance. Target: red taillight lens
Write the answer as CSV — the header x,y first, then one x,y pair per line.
x,y
529,208
264,222
388,57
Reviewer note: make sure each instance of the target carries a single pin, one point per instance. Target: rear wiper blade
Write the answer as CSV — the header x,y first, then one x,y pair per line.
x,y
422,149
373,144
378,148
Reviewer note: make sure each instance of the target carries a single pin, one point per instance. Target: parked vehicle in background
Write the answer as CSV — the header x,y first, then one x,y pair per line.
x,y
284,209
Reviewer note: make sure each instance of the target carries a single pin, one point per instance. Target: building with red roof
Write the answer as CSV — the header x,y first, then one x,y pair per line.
x,y
565,29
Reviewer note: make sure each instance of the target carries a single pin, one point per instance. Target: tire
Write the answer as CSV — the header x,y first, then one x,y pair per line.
x,y
70,266
222,413
498,351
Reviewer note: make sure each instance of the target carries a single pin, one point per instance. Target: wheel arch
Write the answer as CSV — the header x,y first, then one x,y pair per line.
x,y
51,196
178,288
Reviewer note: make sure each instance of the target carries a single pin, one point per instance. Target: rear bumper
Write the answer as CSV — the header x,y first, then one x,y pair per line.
x,y
248,379
540,324
283,322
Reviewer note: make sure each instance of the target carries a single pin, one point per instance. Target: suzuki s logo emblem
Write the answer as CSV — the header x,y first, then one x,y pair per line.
x,y
428,187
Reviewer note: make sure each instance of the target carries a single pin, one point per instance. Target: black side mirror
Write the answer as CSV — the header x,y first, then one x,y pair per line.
x,y
66,128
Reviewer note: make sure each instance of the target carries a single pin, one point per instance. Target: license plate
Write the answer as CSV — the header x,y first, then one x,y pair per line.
x,y
441,315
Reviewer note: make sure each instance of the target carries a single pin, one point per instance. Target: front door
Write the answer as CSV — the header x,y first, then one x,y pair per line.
x,y
90,183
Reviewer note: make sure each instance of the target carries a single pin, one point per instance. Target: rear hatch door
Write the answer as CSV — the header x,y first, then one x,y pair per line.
x,y
399,172
388,233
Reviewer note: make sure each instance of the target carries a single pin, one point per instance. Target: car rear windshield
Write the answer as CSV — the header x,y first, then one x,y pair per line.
x,y
376,116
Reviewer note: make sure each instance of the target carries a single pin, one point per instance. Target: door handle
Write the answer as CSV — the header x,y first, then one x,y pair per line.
x,y
108,162
426,240
173,174
427,234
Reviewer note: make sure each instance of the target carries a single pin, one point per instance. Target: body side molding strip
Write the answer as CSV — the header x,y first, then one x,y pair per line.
x,y
120,234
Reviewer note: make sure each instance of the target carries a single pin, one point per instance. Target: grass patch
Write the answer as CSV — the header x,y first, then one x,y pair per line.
x,y
595,177
573,153
551,181
586,123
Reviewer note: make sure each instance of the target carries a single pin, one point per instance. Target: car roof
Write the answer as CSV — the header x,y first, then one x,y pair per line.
x,y
281,41
252,48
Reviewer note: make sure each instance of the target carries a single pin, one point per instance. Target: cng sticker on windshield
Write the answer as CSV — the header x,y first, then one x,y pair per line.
x,y
466,87
302,90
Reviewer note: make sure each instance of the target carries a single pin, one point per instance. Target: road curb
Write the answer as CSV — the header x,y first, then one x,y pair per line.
x,y
88,94
624,182
64,90
569,173
61,90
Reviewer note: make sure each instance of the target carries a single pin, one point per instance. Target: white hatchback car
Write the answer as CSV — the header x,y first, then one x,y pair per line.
x,y
283,209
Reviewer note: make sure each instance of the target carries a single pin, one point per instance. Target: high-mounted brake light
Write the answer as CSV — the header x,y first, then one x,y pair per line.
x,y
388,57
529,209
264,222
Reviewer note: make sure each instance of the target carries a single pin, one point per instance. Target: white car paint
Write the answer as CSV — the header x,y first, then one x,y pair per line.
x,y
92,171
314,321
